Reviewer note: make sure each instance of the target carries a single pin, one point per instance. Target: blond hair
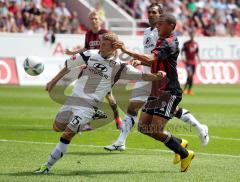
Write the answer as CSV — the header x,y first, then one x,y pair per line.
x,y
110,36
93,13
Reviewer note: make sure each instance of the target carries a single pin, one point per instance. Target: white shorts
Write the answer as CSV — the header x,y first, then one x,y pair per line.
x,y
141,91
75,116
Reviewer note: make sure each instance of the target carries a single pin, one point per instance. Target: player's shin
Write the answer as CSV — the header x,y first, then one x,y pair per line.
x,y
127,125
57,152
116,115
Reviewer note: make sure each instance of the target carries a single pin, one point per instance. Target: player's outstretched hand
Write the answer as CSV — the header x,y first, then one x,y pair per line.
x,y
119,45
68,52
136,62
49,86
161,74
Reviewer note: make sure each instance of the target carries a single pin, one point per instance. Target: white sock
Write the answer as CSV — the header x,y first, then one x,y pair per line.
x,y
56,154
189,118
127,125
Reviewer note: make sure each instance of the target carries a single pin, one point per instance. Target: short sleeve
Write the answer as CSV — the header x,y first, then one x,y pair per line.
x,y
76,61
131,73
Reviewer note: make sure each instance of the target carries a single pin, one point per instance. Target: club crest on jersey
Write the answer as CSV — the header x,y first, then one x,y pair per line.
x,y
148,43
148,40
100,67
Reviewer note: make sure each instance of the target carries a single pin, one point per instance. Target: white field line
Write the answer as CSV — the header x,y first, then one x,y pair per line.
x,y
97,146
188,135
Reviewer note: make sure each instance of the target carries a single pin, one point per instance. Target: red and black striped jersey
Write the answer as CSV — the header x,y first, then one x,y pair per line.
x,y
166,52
190,48
92,40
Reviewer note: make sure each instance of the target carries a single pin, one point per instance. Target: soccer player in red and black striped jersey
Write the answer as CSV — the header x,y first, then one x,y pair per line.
x,y
92,41
93,35
190,50
165,95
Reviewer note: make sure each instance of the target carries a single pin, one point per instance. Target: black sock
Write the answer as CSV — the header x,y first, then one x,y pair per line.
x,y
174,144
178,139
178,113
187,83
190,83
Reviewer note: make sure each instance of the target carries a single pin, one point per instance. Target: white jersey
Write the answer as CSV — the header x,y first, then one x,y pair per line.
x,y
142,89
100,75
150,38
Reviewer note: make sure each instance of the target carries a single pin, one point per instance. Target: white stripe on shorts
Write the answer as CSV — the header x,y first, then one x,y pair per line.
x,y
169,106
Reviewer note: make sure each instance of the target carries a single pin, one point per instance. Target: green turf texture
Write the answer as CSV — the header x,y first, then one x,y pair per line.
x,y
26,115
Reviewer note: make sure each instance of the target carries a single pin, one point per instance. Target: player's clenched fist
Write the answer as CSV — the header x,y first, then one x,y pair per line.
x,y
161,74
49,86
136,62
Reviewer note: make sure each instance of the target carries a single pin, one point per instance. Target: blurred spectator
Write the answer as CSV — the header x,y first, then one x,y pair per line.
x,y
74,24
37,16
204,17
141,7
100,11
3,8
62,10
33,9
191,5
13,8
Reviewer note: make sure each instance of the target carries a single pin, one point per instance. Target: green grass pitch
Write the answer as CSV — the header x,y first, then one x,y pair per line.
x,y
26,139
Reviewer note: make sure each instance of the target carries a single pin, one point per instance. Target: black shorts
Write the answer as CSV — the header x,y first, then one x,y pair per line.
x,y
191,67
163,106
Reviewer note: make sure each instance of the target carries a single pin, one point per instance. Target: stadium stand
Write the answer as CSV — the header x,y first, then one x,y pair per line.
x,y
38,16
204,17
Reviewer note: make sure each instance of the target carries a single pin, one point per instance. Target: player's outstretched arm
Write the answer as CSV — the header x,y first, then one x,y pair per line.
x,y
137,63
53,82
71,52
151,77
146,59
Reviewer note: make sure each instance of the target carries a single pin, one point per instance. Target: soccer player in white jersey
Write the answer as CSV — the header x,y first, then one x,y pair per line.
x,y
142,90
103,70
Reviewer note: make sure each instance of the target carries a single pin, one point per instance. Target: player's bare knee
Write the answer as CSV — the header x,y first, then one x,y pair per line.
x,y
133,108
111,99
132,111
58,127
68,134
55,128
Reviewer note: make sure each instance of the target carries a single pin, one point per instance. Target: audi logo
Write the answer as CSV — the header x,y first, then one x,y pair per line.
x,y
4,68
217,72
100,67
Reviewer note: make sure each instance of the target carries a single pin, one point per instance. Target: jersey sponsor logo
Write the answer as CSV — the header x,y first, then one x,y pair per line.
x,y
92,59
98,70
94,43
217,73
100,67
